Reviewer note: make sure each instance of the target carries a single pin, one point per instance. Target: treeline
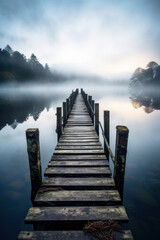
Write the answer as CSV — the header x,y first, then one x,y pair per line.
x,y
146,77
16,68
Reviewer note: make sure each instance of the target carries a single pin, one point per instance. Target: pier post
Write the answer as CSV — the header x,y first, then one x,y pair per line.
x,y
68,109
64,113
90,100
106,131
71,101
86,98
120,157
97,118
33,148
59,122
92,113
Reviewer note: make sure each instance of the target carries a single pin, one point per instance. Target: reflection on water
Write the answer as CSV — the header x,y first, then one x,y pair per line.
x,y
17,109
148,99
142,180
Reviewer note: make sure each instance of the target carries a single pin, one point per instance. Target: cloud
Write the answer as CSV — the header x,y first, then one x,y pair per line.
x,y
108,38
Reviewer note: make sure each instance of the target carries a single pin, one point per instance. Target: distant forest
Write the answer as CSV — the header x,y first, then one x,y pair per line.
x,y
16,68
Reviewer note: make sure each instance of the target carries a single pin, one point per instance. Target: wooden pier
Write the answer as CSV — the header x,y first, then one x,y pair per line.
x,y
78,186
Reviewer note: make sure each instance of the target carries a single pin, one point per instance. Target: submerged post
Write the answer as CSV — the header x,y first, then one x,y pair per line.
x,y
59,122
33,148
97,118
106,131
120,157
64,113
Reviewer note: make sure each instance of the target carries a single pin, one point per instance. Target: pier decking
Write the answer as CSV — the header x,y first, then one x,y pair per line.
x,y
78,186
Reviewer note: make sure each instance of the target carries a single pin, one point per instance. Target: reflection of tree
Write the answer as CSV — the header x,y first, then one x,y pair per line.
x,y
14,110
145,88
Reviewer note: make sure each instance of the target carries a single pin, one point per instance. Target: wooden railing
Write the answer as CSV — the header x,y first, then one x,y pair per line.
x,y
119,159
67,107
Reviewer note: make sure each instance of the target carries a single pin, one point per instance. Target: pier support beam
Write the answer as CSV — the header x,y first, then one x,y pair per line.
x,y
106,131
68,107
92,113
90,102
64,113
120,157
59,122
33,148
97,118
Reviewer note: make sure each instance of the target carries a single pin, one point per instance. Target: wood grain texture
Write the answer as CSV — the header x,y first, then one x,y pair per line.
x,y
81,171
67,235
50,197
87,183
93,213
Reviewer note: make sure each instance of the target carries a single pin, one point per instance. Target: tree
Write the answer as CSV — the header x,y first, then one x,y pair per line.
x,y
9,49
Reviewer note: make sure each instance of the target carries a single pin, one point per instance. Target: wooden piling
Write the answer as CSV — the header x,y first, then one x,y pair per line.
x,y
90,100
68,107
120,157
106,131
59,122
71,101
97,118
64,113
33,148
86,101
92,112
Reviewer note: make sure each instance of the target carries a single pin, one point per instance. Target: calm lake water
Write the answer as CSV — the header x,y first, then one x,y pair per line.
x,y
35,108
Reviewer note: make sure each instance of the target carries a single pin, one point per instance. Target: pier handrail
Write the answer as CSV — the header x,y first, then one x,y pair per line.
x,y
107,145
91,108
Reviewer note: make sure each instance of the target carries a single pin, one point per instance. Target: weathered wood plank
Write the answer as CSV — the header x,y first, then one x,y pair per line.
x,y
78,213
80,124
80,144
81,171
67,235
79,134
48,197
79,152
79,137
78,148
91,163
78,141
88,183
79,157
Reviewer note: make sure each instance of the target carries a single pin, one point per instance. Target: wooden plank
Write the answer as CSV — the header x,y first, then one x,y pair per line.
x,y
80,135
89,183
91,163
81,124
79,152
79,138
68,235
79,120
78,148
48,197
79,157
81,171
87,128
80,144
75,214
78,141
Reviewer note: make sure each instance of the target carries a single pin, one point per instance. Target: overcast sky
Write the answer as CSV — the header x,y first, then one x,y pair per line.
x,y
110,38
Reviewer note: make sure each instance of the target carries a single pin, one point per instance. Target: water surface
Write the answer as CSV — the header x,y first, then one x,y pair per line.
x,y
35,108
